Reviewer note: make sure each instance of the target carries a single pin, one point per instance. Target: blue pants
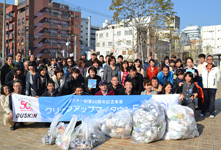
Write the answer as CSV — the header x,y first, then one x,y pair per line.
x,y
209,101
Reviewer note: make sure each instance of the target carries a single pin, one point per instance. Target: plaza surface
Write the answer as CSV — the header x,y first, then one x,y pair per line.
x,y
29,137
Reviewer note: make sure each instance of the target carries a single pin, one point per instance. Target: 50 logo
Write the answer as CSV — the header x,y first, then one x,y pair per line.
x,y
25,106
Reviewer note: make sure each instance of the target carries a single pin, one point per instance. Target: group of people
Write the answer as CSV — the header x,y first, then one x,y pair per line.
x,y
108,76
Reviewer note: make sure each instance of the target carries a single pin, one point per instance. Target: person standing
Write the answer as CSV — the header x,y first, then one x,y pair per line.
x,y
138,65
29,78
6,68
210,77
106,63
93,57
165,63
124,72
152,71
52,66
120,60
18,58
70,65
146,64
59,79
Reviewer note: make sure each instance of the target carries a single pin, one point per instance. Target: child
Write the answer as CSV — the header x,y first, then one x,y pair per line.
x,y
189,91
178,82
148,88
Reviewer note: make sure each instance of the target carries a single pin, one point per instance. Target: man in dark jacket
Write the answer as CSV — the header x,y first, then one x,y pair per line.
x,y
74,79
93,57
136,78
51,92
6,68
128,85
103,89
115,85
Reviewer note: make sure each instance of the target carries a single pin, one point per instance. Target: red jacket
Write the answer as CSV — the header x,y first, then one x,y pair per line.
x,y
109,92
151,73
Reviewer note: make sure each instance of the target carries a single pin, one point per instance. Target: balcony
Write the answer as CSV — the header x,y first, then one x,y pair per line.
x,y
64,25
54,24
54,34
64,35
54,14
65,16
53,44
63,44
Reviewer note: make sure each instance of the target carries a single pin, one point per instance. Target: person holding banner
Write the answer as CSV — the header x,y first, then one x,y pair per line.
x,y
79,90
8,116
103,89
5,91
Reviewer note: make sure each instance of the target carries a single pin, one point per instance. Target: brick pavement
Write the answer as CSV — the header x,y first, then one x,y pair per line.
x,y
29,138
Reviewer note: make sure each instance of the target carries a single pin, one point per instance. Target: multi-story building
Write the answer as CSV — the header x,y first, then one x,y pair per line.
x,y
1,22
44,28
193,32
87,35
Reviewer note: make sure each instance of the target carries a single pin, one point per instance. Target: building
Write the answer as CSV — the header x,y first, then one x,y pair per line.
x,y
211,39
193,32
1,22
44,28
88,35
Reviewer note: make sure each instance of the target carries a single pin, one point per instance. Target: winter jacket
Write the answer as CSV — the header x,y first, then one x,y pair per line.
x,y
70,84
145,67
5,69
9,81
47,94
100,72
89,63
160,77
118,89
51,70
67,71
95,90
29,82
196,78
109,73
132,93
18,63
151,73
176,86
137,82
59,87
211,78
83,72
39,85
109,92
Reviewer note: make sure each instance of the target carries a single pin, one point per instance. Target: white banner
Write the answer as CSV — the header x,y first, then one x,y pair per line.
x,y
25,109
167,100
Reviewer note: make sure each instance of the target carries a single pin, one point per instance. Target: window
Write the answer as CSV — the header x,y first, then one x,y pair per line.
x,y
101,35
81,26
1,6
86,22
98,53
97,44
103,44
106,34
19,22
128,42
86,33
118,33
86,28
77,35
128,32
118,43
77,26
81,31
109,43
107,52
76,16
18,31
23,20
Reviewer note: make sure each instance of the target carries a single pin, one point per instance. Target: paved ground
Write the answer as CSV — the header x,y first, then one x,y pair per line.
x,y
29,138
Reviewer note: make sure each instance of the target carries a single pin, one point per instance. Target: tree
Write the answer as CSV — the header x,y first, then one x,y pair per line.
x,y
208,50
138,13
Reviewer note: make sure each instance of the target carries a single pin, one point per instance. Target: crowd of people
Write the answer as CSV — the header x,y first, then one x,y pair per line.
x,y
110,76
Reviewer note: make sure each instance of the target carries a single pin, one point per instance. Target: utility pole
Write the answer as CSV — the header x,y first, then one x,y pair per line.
x,y
3,39
75,48
67,44
14,42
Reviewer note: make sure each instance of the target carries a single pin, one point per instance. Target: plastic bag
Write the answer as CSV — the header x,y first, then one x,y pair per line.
x,y
64,140
60,129
50,137
149,122
118,125
181,123
86,136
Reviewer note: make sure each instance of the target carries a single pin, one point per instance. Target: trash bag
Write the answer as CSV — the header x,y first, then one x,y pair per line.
x,y
64,140
60,129
50,137
149,122
118,125
181,123
86,136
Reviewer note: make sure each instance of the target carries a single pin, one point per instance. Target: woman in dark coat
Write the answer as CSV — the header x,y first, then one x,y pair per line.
x,y
6,68
40,81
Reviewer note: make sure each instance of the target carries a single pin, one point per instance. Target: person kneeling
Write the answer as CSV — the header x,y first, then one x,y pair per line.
x,y
51,92
8,116
103,89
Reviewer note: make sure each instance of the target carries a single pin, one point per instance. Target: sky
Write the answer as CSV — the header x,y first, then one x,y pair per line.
x,y
195,12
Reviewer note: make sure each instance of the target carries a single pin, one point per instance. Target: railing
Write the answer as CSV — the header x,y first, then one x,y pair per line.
x,y
54,24
63,44
64,25
54,34
65,16
64,35
54,14
53,44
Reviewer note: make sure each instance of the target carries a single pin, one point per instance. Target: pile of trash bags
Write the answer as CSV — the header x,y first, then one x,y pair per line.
x,y
149,122
181,123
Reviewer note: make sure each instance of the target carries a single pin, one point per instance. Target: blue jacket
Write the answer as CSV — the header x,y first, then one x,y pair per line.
x,y
67,71
161,75
145,66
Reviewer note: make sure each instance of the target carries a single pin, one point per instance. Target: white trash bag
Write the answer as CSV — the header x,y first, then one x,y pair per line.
x,y
181,123
149,122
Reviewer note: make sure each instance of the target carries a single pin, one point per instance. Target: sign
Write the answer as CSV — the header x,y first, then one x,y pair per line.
x,y
43,109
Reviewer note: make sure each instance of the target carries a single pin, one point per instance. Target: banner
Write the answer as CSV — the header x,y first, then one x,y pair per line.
x,y
43,109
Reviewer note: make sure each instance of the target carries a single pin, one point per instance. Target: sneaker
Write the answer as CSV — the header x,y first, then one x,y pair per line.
x,y
12,128
201,115
198,108
211,116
